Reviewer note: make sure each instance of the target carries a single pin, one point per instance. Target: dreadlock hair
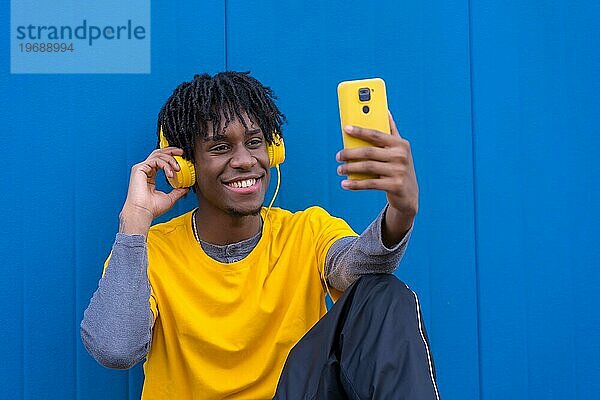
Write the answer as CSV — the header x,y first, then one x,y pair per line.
x,y
217,100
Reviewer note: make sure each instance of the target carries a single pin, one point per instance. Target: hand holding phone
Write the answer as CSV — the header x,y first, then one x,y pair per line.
x,y
375,156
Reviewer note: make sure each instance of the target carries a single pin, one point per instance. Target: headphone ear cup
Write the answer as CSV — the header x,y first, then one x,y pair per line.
x,y
186,176
276,152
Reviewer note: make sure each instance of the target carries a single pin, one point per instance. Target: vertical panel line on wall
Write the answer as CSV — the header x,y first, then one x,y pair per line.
x,y
23,291
475,205
75,297
225,33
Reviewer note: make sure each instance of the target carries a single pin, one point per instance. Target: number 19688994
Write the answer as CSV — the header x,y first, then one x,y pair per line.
x,y
46,47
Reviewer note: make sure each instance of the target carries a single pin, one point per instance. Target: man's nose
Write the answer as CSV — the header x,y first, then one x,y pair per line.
x,y
242,158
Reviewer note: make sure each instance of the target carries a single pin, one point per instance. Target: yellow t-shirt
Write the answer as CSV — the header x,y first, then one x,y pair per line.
x,y
223,331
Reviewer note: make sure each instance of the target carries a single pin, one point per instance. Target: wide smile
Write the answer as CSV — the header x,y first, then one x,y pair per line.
x,y
244,186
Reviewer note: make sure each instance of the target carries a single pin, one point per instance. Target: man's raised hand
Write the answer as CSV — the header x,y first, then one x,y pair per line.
x,y
144,202
390,161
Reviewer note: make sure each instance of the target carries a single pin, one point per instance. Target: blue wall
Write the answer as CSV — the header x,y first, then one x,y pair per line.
x,y
498,99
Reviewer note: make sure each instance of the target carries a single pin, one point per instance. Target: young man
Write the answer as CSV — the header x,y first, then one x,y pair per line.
x,y
216,298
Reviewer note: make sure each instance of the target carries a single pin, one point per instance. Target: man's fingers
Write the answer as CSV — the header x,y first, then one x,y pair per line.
x,y
364,184
159,159
168,154
400,153
171,160
174,151
144,168
373,136
393,127
363,153
368,167
177,194
157,163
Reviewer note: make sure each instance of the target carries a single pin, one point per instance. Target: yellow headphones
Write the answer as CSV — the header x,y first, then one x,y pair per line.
x,y
186,176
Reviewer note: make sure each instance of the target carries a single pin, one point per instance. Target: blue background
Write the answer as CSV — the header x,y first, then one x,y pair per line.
x,y
499,100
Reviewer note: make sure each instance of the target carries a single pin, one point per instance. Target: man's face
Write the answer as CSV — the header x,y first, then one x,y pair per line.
x,y
232,170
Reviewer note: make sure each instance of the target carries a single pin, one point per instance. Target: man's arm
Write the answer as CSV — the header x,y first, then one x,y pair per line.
x,y
381,246
350,257
117,325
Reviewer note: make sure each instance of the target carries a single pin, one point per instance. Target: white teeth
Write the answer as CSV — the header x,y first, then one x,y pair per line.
x,y
242,184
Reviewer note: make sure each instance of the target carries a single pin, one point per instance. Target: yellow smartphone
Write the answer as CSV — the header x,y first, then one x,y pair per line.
x,y
362,103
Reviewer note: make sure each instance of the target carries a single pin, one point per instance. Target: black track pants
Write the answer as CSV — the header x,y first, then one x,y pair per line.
x,y
371,345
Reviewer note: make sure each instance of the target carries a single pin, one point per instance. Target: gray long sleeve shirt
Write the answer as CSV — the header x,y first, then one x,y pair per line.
x,y
117,325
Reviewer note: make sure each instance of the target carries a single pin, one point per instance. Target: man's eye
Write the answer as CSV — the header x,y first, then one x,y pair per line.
x,y
220,148
256,142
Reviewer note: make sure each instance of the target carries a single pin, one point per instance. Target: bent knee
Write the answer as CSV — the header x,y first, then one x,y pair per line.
x,y
384,282
377,292
385,288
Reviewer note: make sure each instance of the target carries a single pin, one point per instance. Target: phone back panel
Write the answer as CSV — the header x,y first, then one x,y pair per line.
x,y
352,111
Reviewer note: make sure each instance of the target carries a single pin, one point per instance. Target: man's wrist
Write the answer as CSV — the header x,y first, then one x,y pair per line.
x,y
395,225
134,221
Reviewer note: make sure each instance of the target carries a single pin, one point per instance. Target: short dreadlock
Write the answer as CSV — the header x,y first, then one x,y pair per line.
x,y
229,95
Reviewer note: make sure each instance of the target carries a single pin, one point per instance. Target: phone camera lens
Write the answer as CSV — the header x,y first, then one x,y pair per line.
x,y
364,94
366,109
